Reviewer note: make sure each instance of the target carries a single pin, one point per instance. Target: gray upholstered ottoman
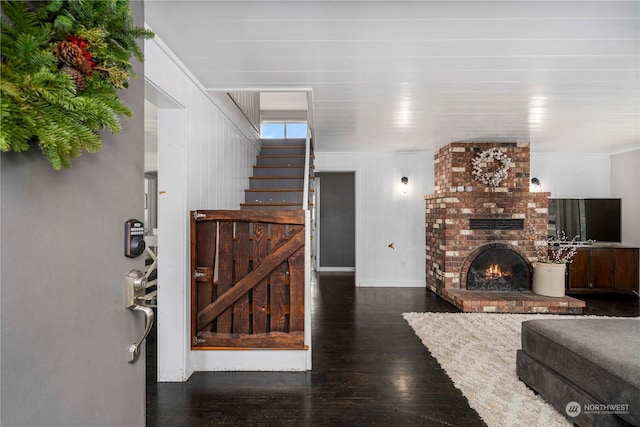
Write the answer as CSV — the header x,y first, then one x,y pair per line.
x,y
588,369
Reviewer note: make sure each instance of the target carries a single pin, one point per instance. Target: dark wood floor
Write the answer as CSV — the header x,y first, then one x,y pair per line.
x,y
369,368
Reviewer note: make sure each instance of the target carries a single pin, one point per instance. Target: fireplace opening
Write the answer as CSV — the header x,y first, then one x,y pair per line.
x,y
499,269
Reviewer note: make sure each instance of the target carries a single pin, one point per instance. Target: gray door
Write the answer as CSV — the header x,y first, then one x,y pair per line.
x,y
65,328
337,221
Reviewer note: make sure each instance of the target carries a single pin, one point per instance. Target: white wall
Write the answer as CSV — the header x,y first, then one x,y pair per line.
x,y
568,175
384,215
249,104
625,184
595,175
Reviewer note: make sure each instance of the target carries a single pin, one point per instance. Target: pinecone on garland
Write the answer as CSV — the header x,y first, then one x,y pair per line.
x,y
74,62
76,76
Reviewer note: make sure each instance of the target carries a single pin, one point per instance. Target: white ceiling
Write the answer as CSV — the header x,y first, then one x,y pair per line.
x,y
283,101
404,76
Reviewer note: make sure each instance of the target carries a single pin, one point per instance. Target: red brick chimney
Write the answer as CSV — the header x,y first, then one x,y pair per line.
x,y
459,222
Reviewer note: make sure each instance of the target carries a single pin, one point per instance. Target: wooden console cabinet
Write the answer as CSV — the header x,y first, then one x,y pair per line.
x,y
603,270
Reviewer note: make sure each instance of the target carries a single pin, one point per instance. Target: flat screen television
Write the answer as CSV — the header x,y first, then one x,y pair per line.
x,y
589,219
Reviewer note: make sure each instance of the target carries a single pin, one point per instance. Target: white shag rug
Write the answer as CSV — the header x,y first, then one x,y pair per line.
x,y
478,352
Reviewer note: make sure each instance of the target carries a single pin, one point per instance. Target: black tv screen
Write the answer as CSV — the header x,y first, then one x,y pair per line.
x,y
588,219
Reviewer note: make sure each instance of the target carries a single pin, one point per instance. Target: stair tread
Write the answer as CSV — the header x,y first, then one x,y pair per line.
x,y
281,140
275,190
278,147
277,177
283,156
300,166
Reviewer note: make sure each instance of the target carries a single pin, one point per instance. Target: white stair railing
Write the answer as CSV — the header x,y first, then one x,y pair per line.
x,y
307,162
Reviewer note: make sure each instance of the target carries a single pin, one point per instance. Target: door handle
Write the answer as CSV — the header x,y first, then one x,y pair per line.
x,y
134,349
135,284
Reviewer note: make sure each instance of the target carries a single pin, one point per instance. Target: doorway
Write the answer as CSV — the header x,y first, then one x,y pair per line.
x,y
335,213
165,124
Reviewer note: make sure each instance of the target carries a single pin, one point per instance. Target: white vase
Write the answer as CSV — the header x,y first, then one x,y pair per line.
x,y
548,279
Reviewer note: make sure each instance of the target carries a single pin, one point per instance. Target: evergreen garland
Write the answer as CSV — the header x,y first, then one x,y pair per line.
x,y
63,62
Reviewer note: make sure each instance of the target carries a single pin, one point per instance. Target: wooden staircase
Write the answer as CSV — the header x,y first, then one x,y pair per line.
x,y
278,176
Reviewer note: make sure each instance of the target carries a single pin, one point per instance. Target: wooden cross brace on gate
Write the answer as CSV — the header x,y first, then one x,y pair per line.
x,y
248,282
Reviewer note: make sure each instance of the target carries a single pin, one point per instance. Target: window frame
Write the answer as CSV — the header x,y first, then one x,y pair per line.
x,y
285,124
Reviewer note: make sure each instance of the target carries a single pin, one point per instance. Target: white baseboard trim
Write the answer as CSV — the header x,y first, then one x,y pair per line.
x,y
391,284
251,360
335,269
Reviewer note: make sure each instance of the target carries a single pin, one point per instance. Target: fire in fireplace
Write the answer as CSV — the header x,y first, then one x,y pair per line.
x,y
499,269
494,272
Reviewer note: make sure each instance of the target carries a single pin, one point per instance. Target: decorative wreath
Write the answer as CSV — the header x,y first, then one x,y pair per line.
x,y
492,178
63,65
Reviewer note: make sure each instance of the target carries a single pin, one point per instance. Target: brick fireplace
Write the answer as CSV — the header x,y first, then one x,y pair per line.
x,y
465,218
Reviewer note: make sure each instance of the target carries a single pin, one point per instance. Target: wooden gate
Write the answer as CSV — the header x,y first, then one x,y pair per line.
x,y
247,286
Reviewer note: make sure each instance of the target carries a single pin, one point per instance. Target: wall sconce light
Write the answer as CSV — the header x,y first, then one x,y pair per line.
x,y
405,184
537,186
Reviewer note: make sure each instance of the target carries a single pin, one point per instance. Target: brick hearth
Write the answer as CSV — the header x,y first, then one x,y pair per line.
x,y
451,244
512,302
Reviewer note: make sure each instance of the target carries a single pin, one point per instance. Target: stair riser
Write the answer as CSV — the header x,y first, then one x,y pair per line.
x,y
279,171
289,142
273,197
257,184
280,151
284,161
